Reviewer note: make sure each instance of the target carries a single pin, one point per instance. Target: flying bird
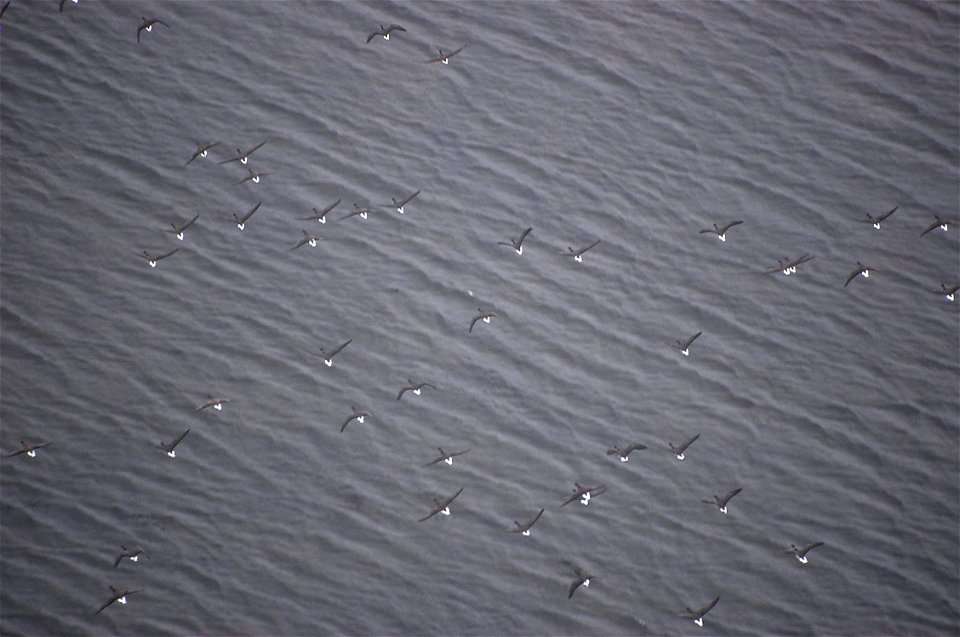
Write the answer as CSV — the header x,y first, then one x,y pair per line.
x,y
169,448
358,211
328,356
721,503
133,554
201,151
721,232
29,448
483,315
524,529
119,595
321,215
308,237
414,387
943,224
216,403
178,230
684,346
446,457
243,156
252,176
678,451
385,32
584,494
788,266
445,57
147,26
697,615
400,204
875,221
950,293
153,258
578,254
517,243
357,415
801,553
441,507
242,221
625,452
861,270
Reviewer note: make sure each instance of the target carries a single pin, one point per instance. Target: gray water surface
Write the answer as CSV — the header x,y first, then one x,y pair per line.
x,y
835,409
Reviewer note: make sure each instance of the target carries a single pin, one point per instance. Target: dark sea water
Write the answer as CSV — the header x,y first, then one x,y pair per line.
x,y
836,410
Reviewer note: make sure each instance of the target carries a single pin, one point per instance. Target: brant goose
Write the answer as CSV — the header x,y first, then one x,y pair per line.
x,y
29,448
445,57
482,316
584,494
446,457
697,615
252,176
169,448
801,553
132,554
721,503
242,156
328,356
307,238
414,387
678,451
861,270
385,32
321,215
878,219
516,243
178,230
578,254
201,151
242,221
625,452
357,415
684,346
524,529
400,204
441,507
153,258
148,26
943,224
721,232
119,595
216,403
789,266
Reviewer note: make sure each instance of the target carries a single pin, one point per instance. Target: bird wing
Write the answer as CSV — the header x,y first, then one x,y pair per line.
x,y
932,226
372,36
112,600
451,499
254,149
324,212
689,442
474,322
691,340
164,256
523,236
534,520
574,586
339,349
250,214
809,547
582,250
347,422
177,441
727,497
408,199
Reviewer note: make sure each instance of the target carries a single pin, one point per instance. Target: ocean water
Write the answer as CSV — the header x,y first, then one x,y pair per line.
x,y
836,409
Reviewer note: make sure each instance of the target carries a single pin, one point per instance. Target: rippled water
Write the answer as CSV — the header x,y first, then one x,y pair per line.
x,y
835,409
